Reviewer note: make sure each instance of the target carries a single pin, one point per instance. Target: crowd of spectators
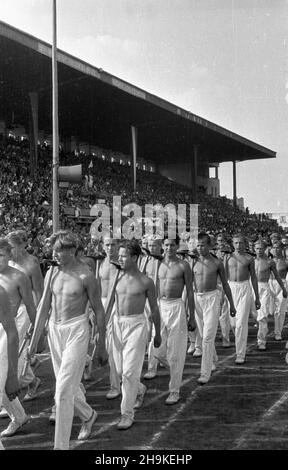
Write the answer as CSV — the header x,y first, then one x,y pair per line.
x,y
26,201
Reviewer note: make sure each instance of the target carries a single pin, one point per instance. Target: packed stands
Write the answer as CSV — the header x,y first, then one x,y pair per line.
x,y
26,201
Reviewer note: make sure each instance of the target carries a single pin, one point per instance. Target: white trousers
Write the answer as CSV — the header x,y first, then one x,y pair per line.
x,y
14,408
68,343
207,307
129,344
193,336
253,310
241,293
278,305
224,319
22,323
152,361
263,312
114,377
174,339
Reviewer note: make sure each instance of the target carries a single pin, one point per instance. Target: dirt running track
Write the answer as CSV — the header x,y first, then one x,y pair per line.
x,y
241,408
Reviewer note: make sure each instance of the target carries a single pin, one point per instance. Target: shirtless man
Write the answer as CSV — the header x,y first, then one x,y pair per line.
x,y
83,258
194,338
174,274
207,302
90,263
130,329
240,266
143,255
155,248
9,346
27,263
18,288
274,238
264,267
220,239
251,246
107,272
30,265
278,299
72,286
284,242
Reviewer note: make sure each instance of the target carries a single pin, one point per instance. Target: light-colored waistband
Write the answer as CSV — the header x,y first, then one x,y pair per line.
x,y
72,321
240,283
210,292
137,316
263,284
171,301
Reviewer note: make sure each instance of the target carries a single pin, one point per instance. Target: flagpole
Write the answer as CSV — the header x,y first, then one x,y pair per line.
x,y
55,188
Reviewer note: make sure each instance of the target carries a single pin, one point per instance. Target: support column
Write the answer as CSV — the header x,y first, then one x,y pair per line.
x,y
234,185
31,148
134,155
34,130
194,173
216,172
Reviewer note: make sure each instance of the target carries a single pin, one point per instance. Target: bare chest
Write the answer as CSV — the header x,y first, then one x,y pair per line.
x,y
262,267
281,265
107,271
238,262
170,273
11,285
205,268
130,288
68,285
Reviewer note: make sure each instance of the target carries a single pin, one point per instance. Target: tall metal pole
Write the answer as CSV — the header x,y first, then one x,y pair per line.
x,y
55,124
134,154
234,184
194,173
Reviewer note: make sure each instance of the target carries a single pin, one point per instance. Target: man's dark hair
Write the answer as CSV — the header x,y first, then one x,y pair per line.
x,y
239,235
132,246
64,239
19,237
204,236
176,238
80,245
220,234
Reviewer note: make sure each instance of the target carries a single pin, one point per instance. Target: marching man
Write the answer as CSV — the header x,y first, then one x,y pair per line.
x,y
207,302
130,329
9,344
174,275
72,286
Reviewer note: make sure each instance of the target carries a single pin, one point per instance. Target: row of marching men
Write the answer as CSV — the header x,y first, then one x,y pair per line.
x,y
178,293
228,286
257,280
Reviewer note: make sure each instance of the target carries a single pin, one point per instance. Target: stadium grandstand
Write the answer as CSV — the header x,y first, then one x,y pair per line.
x,y
175,148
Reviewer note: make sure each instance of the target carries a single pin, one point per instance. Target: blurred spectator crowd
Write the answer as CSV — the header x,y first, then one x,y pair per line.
x,y
26,201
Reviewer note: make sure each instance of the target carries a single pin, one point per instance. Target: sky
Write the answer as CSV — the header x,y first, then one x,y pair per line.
x,y
224,60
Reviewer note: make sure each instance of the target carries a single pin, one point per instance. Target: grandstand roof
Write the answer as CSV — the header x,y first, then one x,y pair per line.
x,y
99,108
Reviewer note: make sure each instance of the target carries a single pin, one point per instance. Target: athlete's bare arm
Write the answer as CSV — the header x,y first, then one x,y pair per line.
x,y
9,326
94,297
226,287
278,278
155,314
190,296
37,280
25,291
254,282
